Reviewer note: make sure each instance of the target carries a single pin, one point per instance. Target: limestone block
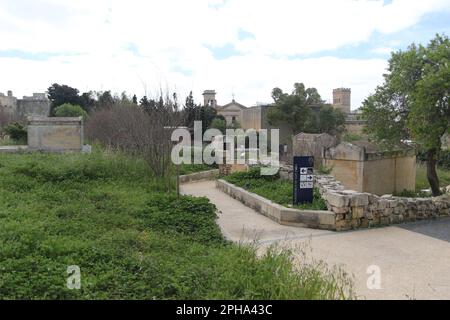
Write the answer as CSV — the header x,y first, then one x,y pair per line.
x,y
364,223
387,212
359,199
357,212
336,199
339,210
356,223
382,204
342,225
392,203
373,199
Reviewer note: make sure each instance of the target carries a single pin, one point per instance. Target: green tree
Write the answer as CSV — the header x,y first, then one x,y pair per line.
x,y
70,110
304,110
17,132
218,123
207,114
60,94
329,120
413,101
194,112
105,99
87,101
190,111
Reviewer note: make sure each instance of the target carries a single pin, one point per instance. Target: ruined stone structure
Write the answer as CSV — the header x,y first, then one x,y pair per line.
x,y
365,167
354,124
55,134
35,105
309,144
256,118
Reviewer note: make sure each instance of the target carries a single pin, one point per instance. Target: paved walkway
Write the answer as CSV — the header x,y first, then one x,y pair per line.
x,y
414,258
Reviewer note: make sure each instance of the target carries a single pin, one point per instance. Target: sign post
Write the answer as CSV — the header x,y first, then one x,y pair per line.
x,y
303,179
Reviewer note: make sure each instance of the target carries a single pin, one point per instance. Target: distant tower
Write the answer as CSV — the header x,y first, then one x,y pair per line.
x,y
342,99
10,94
209,98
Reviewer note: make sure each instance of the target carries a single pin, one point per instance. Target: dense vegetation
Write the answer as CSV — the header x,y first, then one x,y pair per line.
x,y
106,213
272,188
17,132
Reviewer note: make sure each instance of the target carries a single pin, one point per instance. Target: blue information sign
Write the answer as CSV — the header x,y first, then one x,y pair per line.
x,y
303,179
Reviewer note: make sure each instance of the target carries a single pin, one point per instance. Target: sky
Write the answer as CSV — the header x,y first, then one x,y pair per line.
x,y
240,48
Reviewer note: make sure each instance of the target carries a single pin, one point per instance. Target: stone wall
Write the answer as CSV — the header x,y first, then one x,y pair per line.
x,y
33,107
320,219
308,144
364,210
199,176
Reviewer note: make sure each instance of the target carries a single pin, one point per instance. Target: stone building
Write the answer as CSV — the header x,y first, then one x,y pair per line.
x,y
8,103
365,167
35,105
342,99
209,98
232,111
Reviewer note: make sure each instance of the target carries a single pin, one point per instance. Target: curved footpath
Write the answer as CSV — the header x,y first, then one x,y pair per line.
x,y
413,258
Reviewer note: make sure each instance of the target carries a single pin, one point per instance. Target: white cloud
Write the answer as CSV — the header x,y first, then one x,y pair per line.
x,y
171,35
383,50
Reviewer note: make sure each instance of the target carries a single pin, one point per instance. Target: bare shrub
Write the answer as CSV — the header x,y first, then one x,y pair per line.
x,y
137,131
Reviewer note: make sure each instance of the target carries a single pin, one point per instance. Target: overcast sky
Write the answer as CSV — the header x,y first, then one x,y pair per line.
x,y
245,47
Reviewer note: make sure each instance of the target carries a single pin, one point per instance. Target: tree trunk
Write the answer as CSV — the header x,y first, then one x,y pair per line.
x,y
432,176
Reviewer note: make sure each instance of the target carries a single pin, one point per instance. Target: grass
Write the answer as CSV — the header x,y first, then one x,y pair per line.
x,y
106,214
421,177
273,188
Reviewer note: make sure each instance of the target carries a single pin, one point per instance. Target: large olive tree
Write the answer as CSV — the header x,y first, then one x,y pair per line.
x,y
413,101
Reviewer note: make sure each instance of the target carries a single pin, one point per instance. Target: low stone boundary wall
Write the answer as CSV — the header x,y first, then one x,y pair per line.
x,y
286,216
13,149
364,210
198,176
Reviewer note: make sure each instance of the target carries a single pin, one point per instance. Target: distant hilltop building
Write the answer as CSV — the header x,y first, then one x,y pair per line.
x,y
35,105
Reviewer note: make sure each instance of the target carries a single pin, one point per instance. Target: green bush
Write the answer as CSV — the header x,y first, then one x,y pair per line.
x,y
219,124
273,188
17,132
70,110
